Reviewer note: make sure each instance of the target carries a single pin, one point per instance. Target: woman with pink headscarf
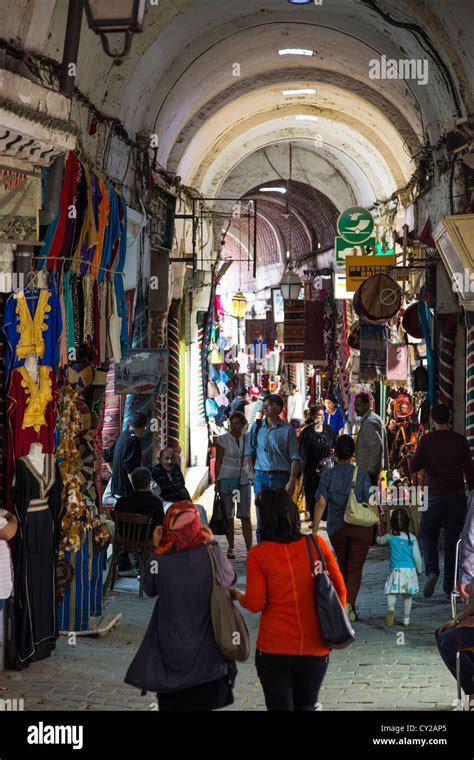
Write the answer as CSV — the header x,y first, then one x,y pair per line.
x,y
179,658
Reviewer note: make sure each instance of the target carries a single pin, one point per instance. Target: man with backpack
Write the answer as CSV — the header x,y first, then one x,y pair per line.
x,y
272,451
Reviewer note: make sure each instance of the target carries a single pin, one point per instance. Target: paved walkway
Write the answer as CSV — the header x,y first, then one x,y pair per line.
x,y
385,669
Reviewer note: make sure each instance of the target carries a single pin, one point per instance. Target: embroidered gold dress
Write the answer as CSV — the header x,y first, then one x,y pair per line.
x,y
31,414
32,325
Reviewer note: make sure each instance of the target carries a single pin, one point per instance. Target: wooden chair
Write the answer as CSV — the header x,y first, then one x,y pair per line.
x,y
129,530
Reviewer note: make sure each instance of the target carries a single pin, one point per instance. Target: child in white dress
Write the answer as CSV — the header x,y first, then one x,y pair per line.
x,y
405,562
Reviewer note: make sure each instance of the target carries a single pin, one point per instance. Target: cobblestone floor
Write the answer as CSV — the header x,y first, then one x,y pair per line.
x,y
385,669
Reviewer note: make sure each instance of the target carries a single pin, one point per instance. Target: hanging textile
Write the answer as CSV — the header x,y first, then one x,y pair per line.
x,y
3,420
294,331
446,360
373,352
343,353
119,283
470,379
103,216
37,506
201,323
397,363
32,325
173,377
424,316
60,233
31,414
314,351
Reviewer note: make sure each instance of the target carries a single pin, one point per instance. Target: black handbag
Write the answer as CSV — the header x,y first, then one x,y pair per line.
x,y
336,628
218,523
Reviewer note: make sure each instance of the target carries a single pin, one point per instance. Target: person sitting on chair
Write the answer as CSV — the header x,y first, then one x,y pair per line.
x,y
170,480
140,502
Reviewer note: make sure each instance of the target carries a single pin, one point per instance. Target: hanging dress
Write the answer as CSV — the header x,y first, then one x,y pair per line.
x,y
32,325
37,506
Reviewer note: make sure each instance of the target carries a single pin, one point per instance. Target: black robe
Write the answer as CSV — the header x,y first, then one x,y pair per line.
x,y
38,508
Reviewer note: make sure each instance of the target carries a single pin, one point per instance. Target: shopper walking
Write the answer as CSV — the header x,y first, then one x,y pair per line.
x,y
351,543
446,459
316,442
291,656
295,407
272,451
405,563
232,479
179,657
372,446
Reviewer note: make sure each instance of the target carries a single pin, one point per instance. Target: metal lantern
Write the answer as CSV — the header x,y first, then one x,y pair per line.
x,y
290,286
239,305
115,17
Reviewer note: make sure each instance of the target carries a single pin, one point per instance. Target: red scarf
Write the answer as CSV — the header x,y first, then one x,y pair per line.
x,y
181,529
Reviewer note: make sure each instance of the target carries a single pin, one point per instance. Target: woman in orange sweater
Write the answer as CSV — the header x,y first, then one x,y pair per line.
x,y
291,656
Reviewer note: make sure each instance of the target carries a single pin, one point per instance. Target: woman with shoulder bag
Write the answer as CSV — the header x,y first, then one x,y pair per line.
x,y
351,543
291,656
179,657
232,479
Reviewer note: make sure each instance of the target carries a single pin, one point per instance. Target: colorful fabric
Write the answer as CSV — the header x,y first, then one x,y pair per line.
x,y
373,352
182,529
314,351
32,325
470,379
294,331
397,362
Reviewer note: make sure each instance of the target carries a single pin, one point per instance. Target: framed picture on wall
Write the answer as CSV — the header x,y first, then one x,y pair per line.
x,y
278,306
143,372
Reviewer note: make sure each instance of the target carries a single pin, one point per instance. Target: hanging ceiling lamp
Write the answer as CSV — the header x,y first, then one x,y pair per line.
x,y
239,305
115,17
290,286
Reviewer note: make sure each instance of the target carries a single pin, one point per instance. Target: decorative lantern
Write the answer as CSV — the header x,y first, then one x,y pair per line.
x,y
115,17
290,286
239,305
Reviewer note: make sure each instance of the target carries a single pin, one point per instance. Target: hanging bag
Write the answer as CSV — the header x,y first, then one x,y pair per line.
x,y
359,513
336,628
230,631
218,523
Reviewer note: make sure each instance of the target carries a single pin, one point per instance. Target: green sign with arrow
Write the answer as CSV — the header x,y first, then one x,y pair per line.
x,y
355,225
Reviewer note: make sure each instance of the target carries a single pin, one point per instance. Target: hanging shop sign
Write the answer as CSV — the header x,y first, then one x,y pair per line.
x,y
360,268
20,201
356,225
143,372
340,287
344,249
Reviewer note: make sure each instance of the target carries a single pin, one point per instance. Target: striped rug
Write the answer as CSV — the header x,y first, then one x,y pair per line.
x,y
295,320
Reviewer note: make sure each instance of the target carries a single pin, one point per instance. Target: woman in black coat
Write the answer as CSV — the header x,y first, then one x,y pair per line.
x,y
316,442
179,658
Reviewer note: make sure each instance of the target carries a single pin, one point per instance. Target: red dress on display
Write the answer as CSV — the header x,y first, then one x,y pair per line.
x,y
31,415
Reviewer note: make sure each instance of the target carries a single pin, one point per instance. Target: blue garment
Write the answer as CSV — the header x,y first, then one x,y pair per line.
x,y
401,552
277,446
336,420
335,485
51,336
265,480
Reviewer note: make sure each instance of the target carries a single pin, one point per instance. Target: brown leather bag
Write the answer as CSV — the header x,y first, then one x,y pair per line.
x,y
230,631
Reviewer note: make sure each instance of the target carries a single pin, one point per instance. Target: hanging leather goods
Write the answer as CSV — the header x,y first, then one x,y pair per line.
x,y
378,299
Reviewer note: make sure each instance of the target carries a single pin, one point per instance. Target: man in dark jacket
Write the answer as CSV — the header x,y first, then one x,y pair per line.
x,y
445,457
125,455
141,501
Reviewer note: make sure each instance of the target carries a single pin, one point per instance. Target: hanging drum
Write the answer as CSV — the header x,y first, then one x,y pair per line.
x,y
378,299
411,323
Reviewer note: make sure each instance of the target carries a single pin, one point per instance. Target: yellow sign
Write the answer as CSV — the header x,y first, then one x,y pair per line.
x,y
360,268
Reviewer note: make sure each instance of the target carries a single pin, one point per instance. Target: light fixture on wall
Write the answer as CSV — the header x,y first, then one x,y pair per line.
x,y
115,17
